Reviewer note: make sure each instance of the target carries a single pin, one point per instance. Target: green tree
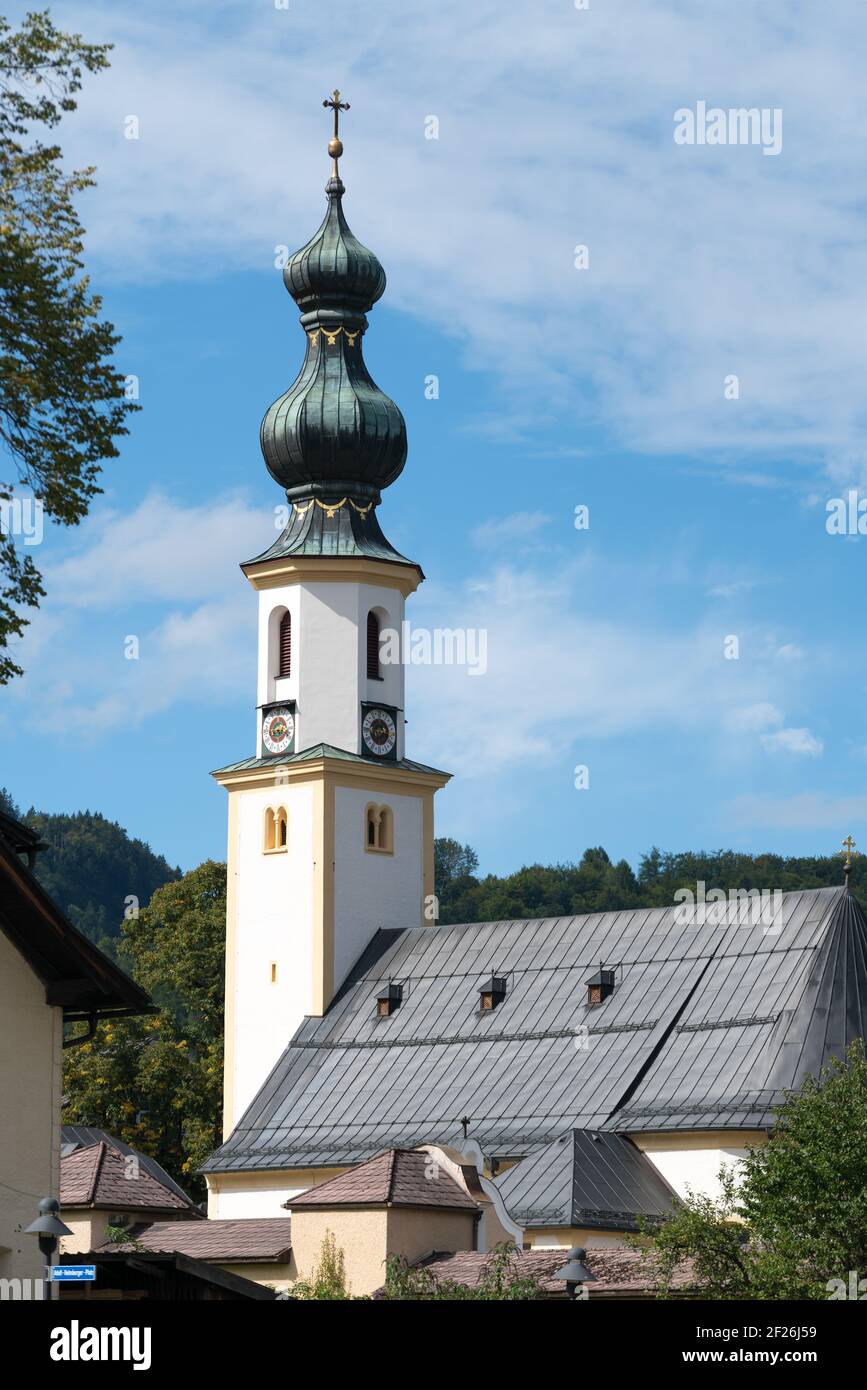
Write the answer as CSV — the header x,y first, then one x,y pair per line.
x,y
156,1082
328,1279
794,1218
61,399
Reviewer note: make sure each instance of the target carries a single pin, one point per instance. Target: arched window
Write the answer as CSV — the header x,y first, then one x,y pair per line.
x,y
285,664
276,836
373,647
378,829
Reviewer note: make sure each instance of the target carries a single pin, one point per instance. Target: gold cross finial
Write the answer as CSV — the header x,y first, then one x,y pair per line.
x,y
335,144
849,848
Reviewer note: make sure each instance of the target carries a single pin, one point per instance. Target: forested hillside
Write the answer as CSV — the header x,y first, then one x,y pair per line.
x,y
595,884
92,868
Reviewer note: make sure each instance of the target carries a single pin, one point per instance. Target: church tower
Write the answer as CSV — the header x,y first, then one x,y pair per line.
x,y
330,824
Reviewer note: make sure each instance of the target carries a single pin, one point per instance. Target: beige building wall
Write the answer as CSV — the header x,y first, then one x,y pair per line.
x,y
87,1227
367,1236
362,1235
30,1081
413,1232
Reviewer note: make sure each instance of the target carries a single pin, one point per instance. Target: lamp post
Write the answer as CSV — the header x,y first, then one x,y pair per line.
x,y
48,1227
575,1272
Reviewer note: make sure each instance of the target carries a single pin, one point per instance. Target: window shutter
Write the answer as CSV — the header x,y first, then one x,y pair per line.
x,y
286,645
372,647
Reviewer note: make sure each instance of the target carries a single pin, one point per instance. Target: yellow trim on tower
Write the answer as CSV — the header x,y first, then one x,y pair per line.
x,y
337,569
231,950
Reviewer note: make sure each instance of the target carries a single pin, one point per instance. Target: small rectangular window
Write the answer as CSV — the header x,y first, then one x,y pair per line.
x,y
273,972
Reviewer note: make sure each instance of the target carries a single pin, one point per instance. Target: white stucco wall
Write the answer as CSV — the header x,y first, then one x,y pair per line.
x,y
374,890
693,1160
274,923
31,1035
329,658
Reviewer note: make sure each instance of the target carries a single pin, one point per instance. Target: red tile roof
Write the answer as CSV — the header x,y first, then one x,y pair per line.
x,y
100,1176
263,1239
396,1178
617,1271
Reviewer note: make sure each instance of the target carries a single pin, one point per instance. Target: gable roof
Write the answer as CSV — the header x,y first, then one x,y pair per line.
x,y
707,1026
76,974
237,1242
396,1178
93,1173
595,1179
100,1176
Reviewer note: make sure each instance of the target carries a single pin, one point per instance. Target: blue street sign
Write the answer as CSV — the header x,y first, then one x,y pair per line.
x,y
73,1274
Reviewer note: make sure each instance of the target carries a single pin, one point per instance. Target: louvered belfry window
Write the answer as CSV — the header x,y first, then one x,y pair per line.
x,y
372,647
286,645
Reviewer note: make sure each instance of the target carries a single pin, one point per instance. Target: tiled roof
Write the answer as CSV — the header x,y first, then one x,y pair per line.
x,y
76,1136
617,1271
707,1026
100,1176
595,1179
397,1178
252,1240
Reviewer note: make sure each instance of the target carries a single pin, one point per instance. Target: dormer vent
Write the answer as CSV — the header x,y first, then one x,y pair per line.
x,y
492,993
389,1001
599,987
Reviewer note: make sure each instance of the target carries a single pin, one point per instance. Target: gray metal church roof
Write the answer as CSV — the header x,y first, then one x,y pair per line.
x,y
706,1027
590,1178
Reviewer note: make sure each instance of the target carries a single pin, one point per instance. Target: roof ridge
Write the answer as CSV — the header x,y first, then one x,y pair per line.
x,y
391,1174
103,1149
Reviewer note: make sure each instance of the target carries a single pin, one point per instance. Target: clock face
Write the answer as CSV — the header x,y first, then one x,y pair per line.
x,y
278,728
379,732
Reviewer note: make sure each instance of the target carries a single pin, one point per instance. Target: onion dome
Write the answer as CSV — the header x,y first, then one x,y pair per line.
x,y
334,433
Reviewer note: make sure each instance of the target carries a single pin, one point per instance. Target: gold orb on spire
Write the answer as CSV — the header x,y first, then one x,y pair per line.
x,y
335,144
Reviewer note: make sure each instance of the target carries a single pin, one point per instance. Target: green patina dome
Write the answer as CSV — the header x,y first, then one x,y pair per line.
x,y
334,431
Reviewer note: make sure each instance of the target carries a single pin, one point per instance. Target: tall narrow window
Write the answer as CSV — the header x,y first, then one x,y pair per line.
x,y
286,644
282,828
373,647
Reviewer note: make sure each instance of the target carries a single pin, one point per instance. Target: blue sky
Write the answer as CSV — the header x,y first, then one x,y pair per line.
x,y
558,387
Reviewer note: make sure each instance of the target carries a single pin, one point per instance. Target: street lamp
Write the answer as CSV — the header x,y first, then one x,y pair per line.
x,y
48,1227
575,1272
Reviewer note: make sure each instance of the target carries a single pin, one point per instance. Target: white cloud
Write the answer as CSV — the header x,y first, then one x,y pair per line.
x,y
518,527
560,677
812,810
754,718
165,574
704,261
799,741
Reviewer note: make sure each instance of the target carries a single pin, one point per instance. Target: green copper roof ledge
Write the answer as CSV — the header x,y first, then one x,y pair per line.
x,y
315,754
